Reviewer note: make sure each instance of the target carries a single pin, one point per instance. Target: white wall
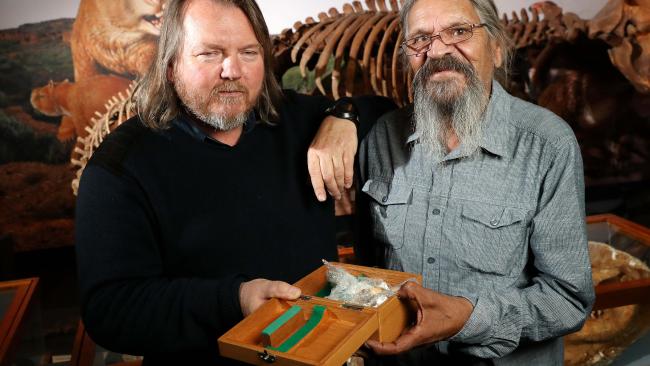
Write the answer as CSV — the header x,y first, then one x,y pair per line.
x,y
17,12
281,14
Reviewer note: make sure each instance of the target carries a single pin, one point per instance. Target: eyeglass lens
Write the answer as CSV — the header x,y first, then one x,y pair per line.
x,y
449,36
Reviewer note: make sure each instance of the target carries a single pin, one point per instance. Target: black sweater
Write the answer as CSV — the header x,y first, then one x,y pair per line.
x,y
168,227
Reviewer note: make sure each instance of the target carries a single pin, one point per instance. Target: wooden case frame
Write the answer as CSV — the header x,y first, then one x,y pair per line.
x,y
623,293
344,329
16,313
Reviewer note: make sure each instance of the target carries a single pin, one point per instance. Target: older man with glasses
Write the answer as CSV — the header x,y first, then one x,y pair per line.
x,y
481,193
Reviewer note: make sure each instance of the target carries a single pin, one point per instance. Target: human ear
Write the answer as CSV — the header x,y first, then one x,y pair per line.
x,y
497,56
170,73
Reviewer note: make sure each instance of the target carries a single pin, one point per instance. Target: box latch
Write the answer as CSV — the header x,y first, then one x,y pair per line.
x,y
266,357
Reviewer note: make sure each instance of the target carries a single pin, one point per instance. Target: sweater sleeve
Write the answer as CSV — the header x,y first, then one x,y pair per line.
x,y
370,108
127,304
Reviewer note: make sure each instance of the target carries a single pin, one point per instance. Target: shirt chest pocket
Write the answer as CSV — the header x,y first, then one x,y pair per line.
x,y
492,238
388,208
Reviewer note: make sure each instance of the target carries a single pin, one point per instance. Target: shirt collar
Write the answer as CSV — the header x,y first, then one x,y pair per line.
x,y
187,125
495,134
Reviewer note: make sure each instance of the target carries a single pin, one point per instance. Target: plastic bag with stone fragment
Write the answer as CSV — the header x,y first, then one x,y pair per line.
x,y
356,290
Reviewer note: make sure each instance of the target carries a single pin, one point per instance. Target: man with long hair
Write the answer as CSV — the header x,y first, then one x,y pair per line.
x,y
481,193
184,210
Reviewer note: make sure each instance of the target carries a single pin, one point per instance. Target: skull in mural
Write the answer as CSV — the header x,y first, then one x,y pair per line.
x,y
625,26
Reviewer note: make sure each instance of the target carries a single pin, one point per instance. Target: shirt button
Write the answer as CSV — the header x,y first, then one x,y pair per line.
x,y
435,211
384,199
494,222
431,260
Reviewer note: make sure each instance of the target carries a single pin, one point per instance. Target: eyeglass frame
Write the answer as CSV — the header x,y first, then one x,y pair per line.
x,y
433,36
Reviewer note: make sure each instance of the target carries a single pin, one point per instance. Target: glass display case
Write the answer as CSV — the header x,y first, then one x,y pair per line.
x,y
15,302
631,238
617,332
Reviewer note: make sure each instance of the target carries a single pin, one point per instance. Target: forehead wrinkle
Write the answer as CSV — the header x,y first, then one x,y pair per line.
x,y
430,26
443,14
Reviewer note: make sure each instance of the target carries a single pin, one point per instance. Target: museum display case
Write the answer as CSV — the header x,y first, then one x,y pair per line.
x,y
617,330
15,302
628,237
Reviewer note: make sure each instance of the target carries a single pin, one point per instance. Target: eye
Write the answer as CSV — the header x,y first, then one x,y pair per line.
x,y
418,40
459,31
421,38
250,54
210,54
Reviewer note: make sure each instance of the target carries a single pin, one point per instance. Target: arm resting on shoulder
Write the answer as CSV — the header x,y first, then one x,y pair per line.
x,y
331,155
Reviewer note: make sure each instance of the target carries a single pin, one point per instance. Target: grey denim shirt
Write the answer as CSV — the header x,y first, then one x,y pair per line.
x,y
503,227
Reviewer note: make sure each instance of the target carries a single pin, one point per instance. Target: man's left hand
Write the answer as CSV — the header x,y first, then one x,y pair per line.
x,y
330,158
439,317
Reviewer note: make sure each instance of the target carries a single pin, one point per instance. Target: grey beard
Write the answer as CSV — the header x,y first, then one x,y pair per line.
x,y
199,106
440,111
220,122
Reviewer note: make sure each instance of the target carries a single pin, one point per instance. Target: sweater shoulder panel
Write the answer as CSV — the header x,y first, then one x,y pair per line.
x,y
114,150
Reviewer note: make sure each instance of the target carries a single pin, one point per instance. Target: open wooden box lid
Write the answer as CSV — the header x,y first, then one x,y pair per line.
x,y
340,329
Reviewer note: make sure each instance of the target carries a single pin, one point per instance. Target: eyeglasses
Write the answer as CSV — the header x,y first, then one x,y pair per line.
x,y
455,34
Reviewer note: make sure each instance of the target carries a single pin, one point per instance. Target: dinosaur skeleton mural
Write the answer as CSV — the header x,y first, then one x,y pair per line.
x,y
593,73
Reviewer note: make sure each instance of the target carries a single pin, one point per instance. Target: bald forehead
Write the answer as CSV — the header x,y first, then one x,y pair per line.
x,y
427,16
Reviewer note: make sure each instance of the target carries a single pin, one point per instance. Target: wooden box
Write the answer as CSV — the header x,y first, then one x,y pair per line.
x,y
342,329
631,238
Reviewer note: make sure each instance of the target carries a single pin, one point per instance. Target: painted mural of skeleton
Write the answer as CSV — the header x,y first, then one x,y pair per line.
x,y
119,108
112,42
76,102
116,37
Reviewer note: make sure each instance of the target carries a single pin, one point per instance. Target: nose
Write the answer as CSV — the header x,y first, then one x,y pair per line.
x,y
230,68
439,49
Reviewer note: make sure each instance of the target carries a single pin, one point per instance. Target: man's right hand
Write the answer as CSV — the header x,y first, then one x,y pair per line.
x,y
253,294
330,158
439,316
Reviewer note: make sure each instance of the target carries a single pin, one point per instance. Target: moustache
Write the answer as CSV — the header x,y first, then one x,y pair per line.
x,y
230,87
445,63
